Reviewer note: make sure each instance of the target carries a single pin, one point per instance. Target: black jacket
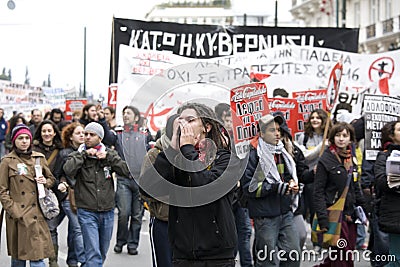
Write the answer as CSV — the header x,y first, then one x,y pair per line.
x,y
268,202
330,181
59,171
389,209
206,231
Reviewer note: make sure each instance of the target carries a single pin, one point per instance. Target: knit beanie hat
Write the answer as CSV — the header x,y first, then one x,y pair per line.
x,y
18,130
96,128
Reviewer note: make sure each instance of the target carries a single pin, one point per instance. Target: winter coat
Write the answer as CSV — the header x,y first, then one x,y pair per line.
x,y
28,236
205,232
389,209
330,181
47,151
94,186
310,146
3,129
157,208
132,145
59,171
268,202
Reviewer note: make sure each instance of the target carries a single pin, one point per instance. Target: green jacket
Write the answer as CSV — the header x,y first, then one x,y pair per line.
x,y
94,187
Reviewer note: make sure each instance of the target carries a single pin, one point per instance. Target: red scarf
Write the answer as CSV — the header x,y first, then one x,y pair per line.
x,y
343,154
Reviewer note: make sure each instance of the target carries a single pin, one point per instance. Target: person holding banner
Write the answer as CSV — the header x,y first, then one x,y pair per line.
x,y
270,184
310,141
337,172
388,186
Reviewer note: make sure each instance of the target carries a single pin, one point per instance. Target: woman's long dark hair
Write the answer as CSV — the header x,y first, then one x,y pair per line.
x,y
208,116
387,133
38,134
309,130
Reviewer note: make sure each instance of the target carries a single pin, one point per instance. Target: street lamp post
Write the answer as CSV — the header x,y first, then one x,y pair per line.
x,y
84,62
276,13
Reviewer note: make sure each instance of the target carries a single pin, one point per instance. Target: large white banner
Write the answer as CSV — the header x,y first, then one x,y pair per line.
x,y
159,81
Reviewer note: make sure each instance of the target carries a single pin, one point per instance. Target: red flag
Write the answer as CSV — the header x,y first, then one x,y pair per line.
x,y
258,77
384,84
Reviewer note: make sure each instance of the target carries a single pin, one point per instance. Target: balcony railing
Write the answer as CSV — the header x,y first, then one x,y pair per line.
x,y
387,26
193,3
371,32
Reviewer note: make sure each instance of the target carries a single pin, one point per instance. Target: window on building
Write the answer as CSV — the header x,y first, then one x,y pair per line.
x,y
388,9
373,11
260,20
357,14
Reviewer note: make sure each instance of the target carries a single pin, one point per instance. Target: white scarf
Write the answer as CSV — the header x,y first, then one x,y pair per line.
x,y
266,153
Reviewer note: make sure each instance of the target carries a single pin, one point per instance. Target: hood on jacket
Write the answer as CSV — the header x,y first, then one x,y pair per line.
x,y
283,126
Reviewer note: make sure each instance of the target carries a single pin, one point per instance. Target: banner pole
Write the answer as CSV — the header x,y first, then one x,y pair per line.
x,y
113,50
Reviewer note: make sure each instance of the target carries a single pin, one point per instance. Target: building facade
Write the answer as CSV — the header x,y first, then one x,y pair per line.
x,y
378,20
221,12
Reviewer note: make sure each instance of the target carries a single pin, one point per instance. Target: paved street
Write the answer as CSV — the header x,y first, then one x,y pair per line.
x,y
119,260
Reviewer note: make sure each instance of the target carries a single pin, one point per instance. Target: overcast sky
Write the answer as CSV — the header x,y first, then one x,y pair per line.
x,y
47,37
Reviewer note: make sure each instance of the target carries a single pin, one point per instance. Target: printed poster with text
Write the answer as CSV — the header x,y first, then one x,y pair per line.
x,y
72,105
307,101
296,110
379,110
289,107
248,104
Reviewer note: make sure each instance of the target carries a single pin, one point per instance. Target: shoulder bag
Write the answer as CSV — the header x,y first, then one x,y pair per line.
x,y
48,202
335,219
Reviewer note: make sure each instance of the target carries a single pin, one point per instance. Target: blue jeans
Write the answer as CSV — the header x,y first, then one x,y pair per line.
x,y
361,234
130,211
276,233
380,241
97,228
76,251
2,149
53,224
21,263
394,249
243,228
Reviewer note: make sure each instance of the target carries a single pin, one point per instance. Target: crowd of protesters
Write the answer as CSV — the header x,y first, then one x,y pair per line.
x,y
96,167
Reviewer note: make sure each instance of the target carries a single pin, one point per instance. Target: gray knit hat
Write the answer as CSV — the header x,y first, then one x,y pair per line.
x,y
96,128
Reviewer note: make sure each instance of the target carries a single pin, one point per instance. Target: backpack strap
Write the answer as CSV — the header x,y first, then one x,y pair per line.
x,y
52,156
305,140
